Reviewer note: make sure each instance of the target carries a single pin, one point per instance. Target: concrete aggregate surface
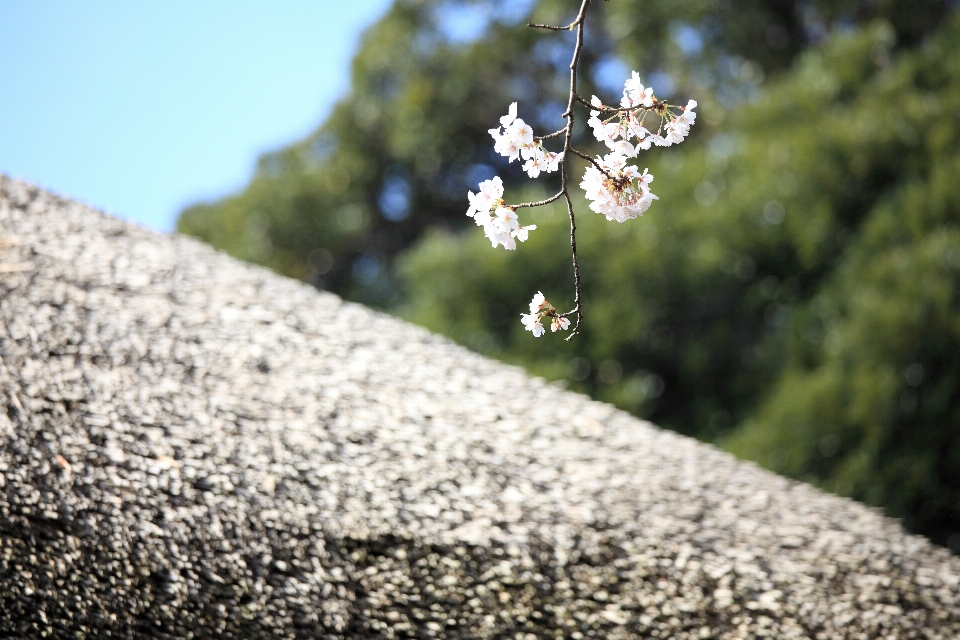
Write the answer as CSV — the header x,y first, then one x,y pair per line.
x,y
193,447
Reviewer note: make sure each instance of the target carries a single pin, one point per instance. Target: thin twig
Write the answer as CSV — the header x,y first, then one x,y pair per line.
x,y
550,27
567,147
591,160
567,133
538,203
580,99
549,135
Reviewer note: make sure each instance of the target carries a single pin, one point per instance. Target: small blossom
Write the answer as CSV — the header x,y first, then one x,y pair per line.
x,y
535,161
596,102
540,309
520,132
508,119
624,148
521,233
501,227
645,178
531,151
617,131
499,222
657,140
531,322
537,302
603,131
499,238
636,94
491,191
505,145
505,219
552,161
639,131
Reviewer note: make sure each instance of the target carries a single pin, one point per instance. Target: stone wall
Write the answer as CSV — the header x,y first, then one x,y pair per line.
x,y
195,447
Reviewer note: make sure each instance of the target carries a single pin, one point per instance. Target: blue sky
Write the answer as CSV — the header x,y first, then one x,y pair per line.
x,y
142,107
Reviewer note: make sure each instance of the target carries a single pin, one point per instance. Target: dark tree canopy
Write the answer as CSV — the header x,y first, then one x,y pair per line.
x,y
399,152
793,295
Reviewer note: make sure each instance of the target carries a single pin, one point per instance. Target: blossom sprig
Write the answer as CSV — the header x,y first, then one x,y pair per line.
x,y
499,220
615,188
627,122
541,310
514,139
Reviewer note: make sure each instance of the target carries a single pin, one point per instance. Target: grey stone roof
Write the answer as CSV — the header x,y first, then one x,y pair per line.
x,y
195,447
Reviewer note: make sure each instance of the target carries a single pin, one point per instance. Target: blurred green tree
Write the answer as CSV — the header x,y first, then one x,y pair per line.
x,y
399,152
793,295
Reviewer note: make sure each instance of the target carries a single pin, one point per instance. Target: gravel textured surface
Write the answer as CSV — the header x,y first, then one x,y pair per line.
x,y
195,447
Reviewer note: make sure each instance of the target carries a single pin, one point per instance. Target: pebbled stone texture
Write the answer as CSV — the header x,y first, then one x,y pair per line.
x,y
193,447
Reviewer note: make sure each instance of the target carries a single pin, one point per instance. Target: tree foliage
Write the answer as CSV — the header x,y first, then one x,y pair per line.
x,y
794,293
399,152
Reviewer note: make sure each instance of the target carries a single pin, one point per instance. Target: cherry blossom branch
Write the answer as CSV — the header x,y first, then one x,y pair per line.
x,y
567,139
616,189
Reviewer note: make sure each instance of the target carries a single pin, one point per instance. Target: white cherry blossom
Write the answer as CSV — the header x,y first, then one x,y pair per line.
x,y
505,145
491,192
505,219
619,192
553,161
537,302
596,102
679,127
522,233
639,131
624,148
540,309
531,322
534,165
520,132
499,230
514,140
614,188
637,102
634,93
506,120
500,224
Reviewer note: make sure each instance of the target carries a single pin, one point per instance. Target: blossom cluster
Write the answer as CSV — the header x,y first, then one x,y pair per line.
x,y
499,222
514,139
540,310
615,188
618,190
627,121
